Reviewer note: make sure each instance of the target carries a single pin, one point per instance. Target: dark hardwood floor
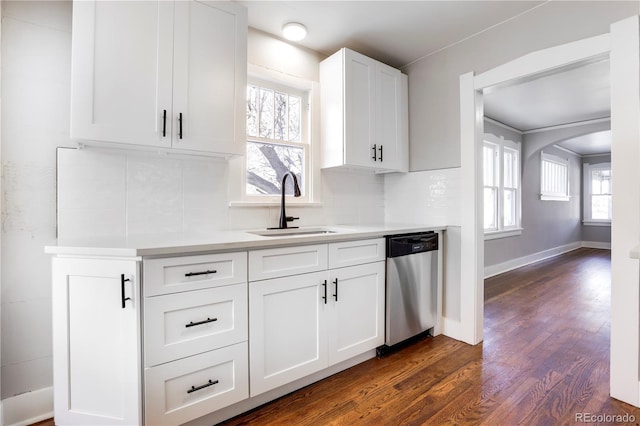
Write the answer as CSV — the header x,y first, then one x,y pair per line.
x,y
544,359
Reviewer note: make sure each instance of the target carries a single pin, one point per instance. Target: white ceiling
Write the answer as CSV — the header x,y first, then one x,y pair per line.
x,y
394,32
401,32
570,96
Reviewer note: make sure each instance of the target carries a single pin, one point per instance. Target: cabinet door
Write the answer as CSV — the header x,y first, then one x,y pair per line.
x,y
388,130
287,329
360,113
210,68
96,342
121,63
357,314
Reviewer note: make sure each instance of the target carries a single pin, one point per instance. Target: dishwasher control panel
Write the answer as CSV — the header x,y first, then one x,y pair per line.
x,y
403,245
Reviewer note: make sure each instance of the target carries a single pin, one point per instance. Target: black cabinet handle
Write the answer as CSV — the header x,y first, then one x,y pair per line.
x,y
164,123
324,284
380,153
335,295
207,321
122,295
192,274
375,152
206,385
180,125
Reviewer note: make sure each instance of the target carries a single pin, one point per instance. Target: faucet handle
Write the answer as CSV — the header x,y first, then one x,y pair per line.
x,y
291,218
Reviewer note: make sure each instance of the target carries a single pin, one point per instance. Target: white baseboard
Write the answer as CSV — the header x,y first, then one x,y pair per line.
x,y
596,245
500,268
28,408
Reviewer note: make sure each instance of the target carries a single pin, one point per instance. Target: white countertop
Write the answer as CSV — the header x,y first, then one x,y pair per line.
x,y
172,244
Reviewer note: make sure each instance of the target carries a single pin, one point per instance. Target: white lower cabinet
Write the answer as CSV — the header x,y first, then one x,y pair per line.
x,y
195,357
357,310
301,324
288,330
96,342
183,390
203,337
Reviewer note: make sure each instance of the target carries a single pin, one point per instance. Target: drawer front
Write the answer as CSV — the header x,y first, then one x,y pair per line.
x,y
183,390
352,253
282,262
184,324
175,274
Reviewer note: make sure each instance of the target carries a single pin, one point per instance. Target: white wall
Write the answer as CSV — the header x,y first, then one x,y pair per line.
x,y
36,41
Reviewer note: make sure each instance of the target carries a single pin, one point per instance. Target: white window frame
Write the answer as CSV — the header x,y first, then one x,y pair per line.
x,y
563,194
503,231
311,198
587,169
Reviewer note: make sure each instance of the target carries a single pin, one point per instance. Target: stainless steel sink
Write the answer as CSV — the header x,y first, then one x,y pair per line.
x,y
289,232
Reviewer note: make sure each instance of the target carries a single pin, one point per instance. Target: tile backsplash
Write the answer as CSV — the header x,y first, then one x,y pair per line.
x,y
119,193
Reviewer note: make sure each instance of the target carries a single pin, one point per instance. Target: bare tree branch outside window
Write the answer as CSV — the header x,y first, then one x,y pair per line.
x,y
273,116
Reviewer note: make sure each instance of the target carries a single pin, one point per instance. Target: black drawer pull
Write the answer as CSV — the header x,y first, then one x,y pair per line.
x,y
380,153
324,284
375,154
206,385
164,123
335,295
207,321
193,274
122,293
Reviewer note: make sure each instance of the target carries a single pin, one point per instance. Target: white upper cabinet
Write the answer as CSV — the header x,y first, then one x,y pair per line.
x,y
364,113
160,74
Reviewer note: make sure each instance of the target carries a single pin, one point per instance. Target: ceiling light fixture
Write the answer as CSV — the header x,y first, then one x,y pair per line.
x,y
294,31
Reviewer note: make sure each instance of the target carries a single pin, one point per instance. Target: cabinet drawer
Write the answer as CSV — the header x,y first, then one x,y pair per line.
x,y
189,388
184,324
352,253
174,274
282,262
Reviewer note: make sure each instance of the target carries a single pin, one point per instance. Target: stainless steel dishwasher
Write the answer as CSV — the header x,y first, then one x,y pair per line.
x,y
412,286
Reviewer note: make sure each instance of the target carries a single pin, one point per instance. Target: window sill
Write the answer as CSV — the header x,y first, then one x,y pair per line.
x,y
555,197
596,222
494,235
274,204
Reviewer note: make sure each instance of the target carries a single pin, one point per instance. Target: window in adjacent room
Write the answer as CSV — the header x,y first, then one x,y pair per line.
x,y
554,178
501,176
597,194
277,140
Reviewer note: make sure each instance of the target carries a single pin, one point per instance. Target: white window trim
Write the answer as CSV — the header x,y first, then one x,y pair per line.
x,y
511,231
237,166
558,160
586,196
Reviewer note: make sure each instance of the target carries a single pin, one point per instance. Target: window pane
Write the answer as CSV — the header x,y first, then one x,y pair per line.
x,y
509,205
294,118
252,111
267,163
281,114
489,167
266,113
490,209
601,207
601,181
554,179
510,178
